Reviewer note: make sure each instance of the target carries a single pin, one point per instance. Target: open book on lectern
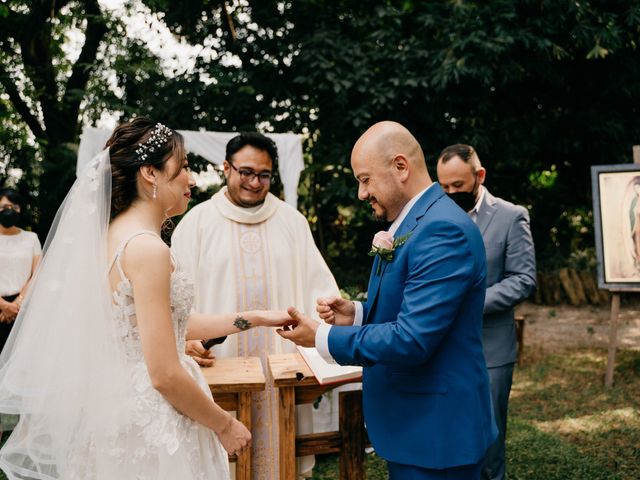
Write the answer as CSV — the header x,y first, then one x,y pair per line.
x,y
326,372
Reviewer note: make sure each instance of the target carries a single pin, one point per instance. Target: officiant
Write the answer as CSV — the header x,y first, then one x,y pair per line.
x,y
245,248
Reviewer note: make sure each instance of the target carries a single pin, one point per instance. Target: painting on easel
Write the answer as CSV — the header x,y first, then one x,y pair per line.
x,y
616,214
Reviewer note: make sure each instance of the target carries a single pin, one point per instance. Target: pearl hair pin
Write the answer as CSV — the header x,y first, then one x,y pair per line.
x,y
158,138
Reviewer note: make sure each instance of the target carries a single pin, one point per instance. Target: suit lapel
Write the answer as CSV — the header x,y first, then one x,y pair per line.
x,y
419,209
409,224
486,211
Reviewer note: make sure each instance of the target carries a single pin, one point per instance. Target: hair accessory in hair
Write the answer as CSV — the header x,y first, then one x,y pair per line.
x,y
158,138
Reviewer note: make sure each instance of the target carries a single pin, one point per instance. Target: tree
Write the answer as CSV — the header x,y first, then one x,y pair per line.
x,y
542,89
44,88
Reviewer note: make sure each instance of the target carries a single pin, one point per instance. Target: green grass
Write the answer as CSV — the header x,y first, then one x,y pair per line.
x,y
563,424
327,468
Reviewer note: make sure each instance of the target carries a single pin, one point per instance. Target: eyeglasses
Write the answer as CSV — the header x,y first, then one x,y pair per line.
x,y
247,175
9,206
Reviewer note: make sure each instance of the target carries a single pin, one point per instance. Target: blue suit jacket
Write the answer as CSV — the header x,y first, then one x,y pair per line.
x,y
425,384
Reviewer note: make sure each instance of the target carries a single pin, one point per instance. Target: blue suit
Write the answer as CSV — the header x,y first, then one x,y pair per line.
x,y
425,386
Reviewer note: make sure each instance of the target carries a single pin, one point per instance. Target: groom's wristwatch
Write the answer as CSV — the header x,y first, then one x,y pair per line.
x,y
207,344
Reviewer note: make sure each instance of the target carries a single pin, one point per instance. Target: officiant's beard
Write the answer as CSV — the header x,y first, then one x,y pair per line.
x,y
243,204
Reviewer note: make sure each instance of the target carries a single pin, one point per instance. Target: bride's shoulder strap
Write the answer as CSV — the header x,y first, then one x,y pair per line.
x,y
123,245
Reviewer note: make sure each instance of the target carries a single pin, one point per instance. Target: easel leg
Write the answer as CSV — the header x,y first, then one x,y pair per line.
x,y
352,436
613,339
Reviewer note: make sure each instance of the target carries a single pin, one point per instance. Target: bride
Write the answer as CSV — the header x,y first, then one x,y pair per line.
x,y
96,366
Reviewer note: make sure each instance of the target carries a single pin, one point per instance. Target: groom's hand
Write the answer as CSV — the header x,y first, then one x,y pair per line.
x,y
303,333
336,310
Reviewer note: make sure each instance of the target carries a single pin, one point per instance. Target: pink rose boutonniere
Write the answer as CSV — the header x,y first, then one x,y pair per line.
x,y
384,245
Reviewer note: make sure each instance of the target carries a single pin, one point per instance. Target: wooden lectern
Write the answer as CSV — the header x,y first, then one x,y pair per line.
x,y
297,385
232,380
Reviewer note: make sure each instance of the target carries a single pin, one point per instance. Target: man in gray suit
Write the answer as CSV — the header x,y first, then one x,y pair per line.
x,y
511,278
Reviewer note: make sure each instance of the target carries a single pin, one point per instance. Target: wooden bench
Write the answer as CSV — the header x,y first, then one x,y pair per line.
x,y
232,380
297,385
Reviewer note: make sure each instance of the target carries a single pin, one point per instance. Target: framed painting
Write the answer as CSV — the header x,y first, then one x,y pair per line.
x,y
616,215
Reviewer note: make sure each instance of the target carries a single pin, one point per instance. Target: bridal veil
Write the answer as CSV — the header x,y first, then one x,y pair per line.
x,y
62,370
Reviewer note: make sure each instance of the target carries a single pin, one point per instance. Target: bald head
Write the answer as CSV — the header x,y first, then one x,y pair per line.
x,y
384,140
390,167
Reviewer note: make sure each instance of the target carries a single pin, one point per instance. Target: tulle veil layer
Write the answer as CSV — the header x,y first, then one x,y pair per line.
x,y
62,369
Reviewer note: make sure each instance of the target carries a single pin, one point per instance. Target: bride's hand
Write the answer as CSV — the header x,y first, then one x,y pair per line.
x,y
235,437
203,357
274,318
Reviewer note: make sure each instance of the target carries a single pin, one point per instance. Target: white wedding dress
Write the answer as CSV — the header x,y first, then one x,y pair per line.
x,y
153,441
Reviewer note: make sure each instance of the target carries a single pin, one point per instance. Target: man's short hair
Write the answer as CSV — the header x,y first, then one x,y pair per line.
x,y
256,140
466,153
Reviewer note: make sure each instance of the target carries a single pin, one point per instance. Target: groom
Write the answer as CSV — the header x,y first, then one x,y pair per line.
x,y
425,386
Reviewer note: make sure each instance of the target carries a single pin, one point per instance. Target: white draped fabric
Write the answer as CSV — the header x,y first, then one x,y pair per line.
x,y
211,146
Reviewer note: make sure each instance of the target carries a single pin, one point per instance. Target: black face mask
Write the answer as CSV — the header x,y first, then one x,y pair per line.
x,y
9,217
465,200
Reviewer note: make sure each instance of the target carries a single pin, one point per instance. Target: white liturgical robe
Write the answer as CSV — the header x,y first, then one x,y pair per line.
x,y
254,258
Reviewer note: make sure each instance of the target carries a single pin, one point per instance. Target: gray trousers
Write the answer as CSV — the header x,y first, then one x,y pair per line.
x,y
493,466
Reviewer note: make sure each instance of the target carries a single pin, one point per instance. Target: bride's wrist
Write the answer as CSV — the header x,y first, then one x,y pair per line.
x,y
227,425
246,320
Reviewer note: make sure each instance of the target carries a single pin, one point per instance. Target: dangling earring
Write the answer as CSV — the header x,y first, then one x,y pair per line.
x,y
154,194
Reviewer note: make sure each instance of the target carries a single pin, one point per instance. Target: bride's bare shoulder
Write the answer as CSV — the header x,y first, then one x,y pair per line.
x,y
146,248
139,248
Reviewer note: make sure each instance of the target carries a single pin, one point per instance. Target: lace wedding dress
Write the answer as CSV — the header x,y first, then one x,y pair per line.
x,y
153,441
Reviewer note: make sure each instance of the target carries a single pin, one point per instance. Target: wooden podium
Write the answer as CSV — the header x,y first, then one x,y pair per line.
x,y
232,380
297,385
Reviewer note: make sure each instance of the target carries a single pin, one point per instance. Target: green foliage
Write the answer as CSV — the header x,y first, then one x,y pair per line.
x,y
44,90
545,179
17,152
529,84
542,89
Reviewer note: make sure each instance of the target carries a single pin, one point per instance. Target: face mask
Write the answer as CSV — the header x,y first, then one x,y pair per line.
x,y
465,200
8,218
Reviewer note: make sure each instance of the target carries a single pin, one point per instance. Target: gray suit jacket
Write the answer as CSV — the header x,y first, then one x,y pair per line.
x,y
511,274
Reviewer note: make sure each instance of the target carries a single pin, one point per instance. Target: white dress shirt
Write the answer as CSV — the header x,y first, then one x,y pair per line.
x,y
473,213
